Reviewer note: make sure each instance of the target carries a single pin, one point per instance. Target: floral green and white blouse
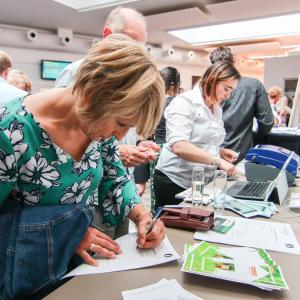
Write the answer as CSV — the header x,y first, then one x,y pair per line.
x,y
37,172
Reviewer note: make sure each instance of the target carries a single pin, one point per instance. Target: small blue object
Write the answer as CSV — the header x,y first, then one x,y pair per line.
x,y
273,156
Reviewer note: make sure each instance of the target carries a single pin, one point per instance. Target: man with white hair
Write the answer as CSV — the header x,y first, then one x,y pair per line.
x,y
121,20
7,91
132,23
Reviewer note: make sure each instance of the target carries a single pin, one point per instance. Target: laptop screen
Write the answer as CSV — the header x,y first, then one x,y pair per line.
x,y
280,182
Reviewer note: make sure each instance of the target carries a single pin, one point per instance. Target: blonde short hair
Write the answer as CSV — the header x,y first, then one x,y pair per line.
x,y
274,92
5,62
19,79
219,71
118,79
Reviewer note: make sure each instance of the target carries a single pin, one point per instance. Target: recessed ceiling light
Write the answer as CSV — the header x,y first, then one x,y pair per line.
x,y
87,5
240,30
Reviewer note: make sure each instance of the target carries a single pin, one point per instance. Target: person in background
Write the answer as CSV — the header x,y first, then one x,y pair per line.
x,y
130,22
19,79
279,105
59,158
7,91
195,132
249,101
171,78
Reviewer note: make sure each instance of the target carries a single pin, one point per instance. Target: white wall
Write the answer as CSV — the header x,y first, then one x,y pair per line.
x,y
28,60
279,68
186,71
26,55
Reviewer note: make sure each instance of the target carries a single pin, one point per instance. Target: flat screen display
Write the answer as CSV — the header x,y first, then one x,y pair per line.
x,y
50,69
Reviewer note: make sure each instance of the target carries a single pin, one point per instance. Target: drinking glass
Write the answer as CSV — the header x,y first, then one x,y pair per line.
x,y
220,187
197,185
209,173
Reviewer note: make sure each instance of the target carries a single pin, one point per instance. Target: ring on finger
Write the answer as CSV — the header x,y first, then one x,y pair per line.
x,y
92,247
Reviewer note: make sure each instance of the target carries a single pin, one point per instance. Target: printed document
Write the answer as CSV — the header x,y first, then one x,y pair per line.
x,y
130,258
239,264
164,289
272,236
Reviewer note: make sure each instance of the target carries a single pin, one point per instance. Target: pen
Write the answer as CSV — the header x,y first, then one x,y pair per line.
x,y
154,219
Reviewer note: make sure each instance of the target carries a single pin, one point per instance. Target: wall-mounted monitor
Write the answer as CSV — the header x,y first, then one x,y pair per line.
x,y
50,69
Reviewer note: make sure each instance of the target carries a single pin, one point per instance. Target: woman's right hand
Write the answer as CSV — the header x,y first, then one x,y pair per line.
x,y
227,166
97,242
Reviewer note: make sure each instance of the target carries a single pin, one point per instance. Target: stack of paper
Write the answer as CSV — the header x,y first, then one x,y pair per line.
x,y
246,265
272,236
250,208
164,289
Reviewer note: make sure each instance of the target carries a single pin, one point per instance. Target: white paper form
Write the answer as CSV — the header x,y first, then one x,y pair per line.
x,y
272,236
162,290
130,258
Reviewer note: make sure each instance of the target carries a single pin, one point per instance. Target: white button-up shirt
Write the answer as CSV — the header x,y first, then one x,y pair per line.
x,y
189,119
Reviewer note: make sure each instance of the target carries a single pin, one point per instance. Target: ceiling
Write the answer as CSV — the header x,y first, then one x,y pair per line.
x,y
161,16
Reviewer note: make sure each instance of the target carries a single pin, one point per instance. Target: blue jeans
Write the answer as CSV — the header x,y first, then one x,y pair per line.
x,y
37,244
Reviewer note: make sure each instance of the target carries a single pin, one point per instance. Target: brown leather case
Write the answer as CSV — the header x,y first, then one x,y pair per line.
x,y
188,217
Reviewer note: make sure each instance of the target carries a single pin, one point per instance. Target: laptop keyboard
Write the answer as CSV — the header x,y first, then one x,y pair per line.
x,y
255,189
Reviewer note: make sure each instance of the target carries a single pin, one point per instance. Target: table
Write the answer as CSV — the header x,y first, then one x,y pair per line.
x,y
109,286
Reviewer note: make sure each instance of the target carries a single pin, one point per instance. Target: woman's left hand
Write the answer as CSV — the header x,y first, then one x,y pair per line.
x,y
229,155
97,242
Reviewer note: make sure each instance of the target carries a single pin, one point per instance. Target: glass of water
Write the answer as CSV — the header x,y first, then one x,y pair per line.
x,y
197,185
220,187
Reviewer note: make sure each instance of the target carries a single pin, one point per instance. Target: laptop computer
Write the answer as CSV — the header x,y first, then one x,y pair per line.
x,y
262,190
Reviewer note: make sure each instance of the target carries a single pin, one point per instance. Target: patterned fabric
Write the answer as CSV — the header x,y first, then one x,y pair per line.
x,y
35,171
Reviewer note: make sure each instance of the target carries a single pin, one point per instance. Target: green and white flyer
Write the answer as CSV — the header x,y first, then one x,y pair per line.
x,y
240,264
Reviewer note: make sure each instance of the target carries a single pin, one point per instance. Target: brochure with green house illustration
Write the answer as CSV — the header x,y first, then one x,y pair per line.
x,y
240,264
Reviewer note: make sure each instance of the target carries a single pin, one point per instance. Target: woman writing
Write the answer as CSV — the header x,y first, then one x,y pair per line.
x,y
59,158
195,132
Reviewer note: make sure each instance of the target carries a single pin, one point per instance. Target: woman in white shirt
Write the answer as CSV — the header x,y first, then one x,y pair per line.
x,y
195,132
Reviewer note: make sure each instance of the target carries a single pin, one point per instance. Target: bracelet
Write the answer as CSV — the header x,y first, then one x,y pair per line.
x,y
216,161
142,212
